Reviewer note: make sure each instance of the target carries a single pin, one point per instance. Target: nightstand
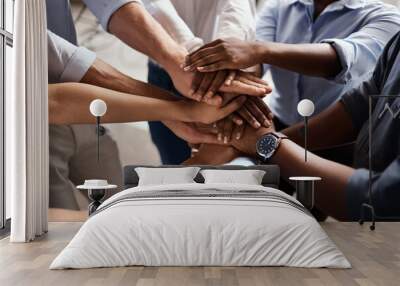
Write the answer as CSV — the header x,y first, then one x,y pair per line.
x,y
305,190
96,192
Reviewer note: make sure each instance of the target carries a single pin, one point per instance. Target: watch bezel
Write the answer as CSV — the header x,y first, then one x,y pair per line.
x,y
276,144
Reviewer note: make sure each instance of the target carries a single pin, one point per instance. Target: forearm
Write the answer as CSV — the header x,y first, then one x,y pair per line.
x,y
330,128
103,75
69,104
330,196
138,29
319,60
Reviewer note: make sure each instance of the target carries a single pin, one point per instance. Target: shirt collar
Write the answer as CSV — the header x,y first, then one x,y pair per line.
x,y
350,4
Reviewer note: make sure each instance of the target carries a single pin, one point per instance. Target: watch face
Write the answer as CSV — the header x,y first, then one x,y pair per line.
x,y
267,145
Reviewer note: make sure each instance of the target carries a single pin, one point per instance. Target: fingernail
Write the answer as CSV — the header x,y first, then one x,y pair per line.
x,y
191,92
219,137
200,68
257,125
238,136
225,140
266,123
209,94
197,96
239,121
186,68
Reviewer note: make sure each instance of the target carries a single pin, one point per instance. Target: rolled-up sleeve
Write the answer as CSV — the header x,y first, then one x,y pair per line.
x,y
104,9
385,191
237,19
356,102
364,47
67,62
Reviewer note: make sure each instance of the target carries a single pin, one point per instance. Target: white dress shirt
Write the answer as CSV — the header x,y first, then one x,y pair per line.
x,y
207,19
187,21
67,62
212,19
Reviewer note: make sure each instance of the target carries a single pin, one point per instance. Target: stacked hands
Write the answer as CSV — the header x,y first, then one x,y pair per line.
x,y
210,77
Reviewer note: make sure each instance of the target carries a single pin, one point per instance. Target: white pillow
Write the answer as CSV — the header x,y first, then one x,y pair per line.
x,y
247,177
166,176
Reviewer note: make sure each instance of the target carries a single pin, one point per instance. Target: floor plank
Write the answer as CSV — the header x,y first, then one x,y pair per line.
x,y
375,257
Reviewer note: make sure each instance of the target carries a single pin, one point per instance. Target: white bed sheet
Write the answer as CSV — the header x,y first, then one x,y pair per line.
x,y
200,232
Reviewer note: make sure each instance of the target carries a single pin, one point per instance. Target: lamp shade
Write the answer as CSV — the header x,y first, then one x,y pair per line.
x,y
98,107
305,108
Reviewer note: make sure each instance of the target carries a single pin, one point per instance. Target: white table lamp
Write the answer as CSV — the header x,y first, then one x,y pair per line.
x,y
305,108
98,108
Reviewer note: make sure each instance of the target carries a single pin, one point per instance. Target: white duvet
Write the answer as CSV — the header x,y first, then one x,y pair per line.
x,y
202,231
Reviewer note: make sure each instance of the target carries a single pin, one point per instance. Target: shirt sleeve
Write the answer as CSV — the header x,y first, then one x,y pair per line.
x,y
165,13
364,47
103,9
356,101
237,18
67,62
266,24
385,191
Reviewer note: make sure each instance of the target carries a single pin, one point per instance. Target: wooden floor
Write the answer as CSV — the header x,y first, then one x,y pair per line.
x,y
375,257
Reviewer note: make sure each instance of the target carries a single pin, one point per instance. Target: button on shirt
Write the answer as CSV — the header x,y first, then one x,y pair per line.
x,y
357,29
385,149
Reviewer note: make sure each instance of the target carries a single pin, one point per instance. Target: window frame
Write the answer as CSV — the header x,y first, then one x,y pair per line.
x,y
6,39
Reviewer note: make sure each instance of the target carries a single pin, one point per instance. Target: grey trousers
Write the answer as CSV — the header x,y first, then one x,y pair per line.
x,y
73,158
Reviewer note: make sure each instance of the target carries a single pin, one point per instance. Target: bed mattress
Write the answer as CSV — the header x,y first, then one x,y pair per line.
x,y
201,225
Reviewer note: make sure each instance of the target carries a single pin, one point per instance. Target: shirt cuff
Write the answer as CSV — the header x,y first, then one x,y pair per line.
x,y
357,193
109,10
78,65
346,54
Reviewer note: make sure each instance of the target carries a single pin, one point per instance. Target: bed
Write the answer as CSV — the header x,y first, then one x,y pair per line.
x,y
198,224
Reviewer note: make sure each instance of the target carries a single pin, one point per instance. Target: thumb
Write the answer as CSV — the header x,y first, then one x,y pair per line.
x,y
234,105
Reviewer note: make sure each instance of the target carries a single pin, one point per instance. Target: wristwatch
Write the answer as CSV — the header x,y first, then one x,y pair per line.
x,y
268,144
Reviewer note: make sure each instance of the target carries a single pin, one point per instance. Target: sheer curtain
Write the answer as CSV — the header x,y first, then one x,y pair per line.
x,y
27,124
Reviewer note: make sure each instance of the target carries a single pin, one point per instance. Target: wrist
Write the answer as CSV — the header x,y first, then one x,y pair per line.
x,y
174,59
182,111
280,151
262,52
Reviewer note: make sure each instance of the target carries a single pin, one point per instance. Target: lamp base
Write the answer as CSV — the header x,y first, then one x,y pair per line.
x,y
96,196
305,190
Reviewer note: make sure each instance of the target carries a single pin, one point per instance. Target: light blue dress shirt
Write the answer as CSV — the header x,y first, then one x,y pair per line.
x,y
67,62
357,29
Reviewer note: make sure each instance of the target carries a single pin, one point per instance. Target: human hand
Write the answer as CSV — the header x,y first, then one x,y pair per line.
x,y
183,83
227,129
207,85
211,154
256,113
191,132
222,54
247,143
201,112
188,83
